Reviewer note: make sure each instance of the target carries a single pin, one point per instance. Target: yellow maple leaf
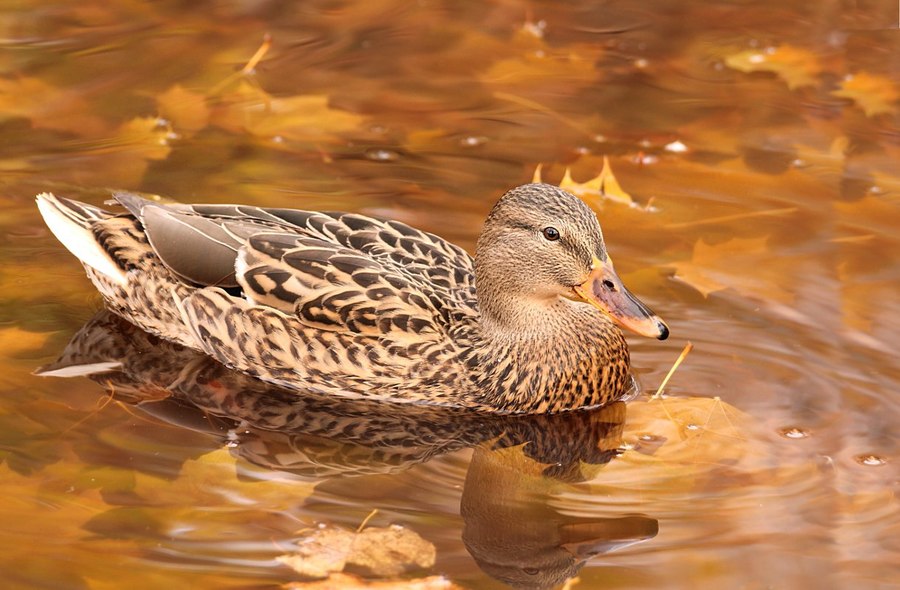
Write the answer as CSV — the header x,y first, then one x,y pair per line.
x,y
302,118
796,66
187,110
677,444
602,186
875,95
744,265
218,479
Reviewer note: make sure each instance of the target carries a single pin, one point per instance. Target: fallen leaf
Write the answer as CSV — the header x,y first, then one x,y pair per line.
x,y
527,65
875,95
212,479
675,444
741,264
15,340
147,137
186,110
602,186
47,106
306,118
796,66
382,552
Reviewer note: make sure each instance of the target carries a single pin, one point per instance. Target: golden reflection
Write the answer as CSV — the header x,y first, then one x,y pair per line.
x,y
511,528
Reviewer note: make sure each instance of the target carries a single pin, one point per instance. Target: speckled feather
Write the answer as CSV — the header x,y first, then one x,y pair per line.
x,y
346,304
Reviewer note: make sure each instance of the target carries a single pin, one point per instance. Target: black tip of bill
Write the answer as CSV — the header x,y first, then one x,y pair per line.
x,y
663,331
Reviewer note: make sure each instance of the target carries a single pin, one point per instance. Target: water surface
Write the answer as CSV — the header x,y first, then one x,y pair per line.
x,y
760,144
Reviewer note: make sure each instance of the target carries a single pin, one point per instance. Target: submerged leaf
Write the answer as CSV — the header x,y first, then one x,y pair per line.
x,y
382,552
14,340
740,264
303,118
147,137
798,67
47,106
187,110
602,186
875,95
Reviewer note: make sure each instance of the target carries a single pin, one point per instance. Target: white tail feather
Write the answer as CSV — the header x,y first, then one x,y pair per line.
x,y
77,237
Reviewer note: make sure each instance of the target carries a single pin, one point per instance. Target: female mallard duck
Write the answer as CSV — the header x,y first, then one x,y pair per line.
x,y
346,304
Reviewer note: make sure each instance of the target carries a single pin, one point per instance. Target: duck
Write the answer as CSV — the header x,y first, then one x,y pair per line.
x,y
345,304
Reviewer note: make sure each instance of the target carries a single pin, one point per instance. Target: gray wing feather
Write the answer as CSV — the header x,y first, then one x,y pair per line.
x,y
195,248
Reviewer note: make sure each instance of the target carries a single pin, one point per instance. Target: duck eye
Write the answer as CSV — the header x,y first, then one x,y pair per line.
x,y
550,233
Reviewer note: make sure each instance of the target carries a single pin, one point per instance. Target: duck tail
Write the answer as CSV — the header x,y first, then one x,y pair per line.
x,y
72,223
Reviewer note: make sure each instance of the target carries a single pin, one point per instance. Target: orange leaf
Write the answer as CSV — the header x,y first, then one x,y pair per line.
x,y
875,95
47,106
741,264
602,186
303,118
187,110
798,67
15,340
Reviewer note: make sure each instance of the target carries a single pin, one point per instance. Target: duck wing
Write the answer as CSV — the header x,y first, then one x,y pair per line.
x,y
333,271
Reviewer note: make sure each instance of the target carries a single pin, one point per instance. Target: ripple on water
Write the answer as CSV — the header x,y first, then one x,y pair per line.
x,y
794,432
871,460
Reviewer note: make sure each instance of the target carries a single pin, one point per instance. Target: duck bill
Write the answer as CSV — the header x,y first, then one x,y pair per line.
x,y
604,290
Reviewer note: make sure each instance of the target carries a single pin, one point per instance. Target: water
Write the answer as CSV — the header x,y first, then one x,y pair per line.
x,y
764,234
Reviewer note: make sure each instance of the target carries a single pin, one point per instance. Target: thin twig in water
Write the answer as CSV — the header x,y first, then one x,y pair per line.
x,y
248,70
687,349
366,520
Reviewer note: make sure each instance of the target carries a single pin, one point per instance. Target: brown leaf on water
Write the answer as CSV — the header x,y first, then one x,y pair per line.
x,y
214,479
673,444
47,106
798,67
604,186
14,341
127,154
875,95
526,65
185,109
308,118
347,582
742,264
146,137
381,552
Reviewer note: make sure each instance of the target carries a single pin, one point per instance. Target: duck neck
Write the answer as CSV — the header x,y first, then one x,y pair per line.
x,y
548,356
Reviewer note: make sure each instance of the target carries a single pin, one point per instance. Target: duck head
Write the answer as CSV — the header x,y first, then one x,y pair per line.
x,y
541,245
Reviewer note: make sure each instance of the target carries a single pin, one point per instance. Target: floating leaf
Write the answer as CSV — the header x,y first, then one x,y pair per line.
x,y
740,264
681,442
528,66
15,340
307,118
147,137
212,480
875,95
47,106
798,67
186,110
382,552
602,186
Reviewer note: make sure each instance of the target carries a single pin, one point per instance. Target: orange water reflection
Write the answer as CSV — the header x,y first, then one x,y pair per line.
x,y
768,240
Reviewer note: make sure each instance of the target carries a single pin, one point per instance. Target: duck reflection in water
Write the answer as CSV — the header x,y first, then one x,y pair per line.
x,y
520,463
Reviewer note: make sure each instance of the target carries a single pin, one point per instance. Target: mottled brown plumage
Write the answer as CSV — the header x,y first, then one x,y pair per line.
x,y
344,304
